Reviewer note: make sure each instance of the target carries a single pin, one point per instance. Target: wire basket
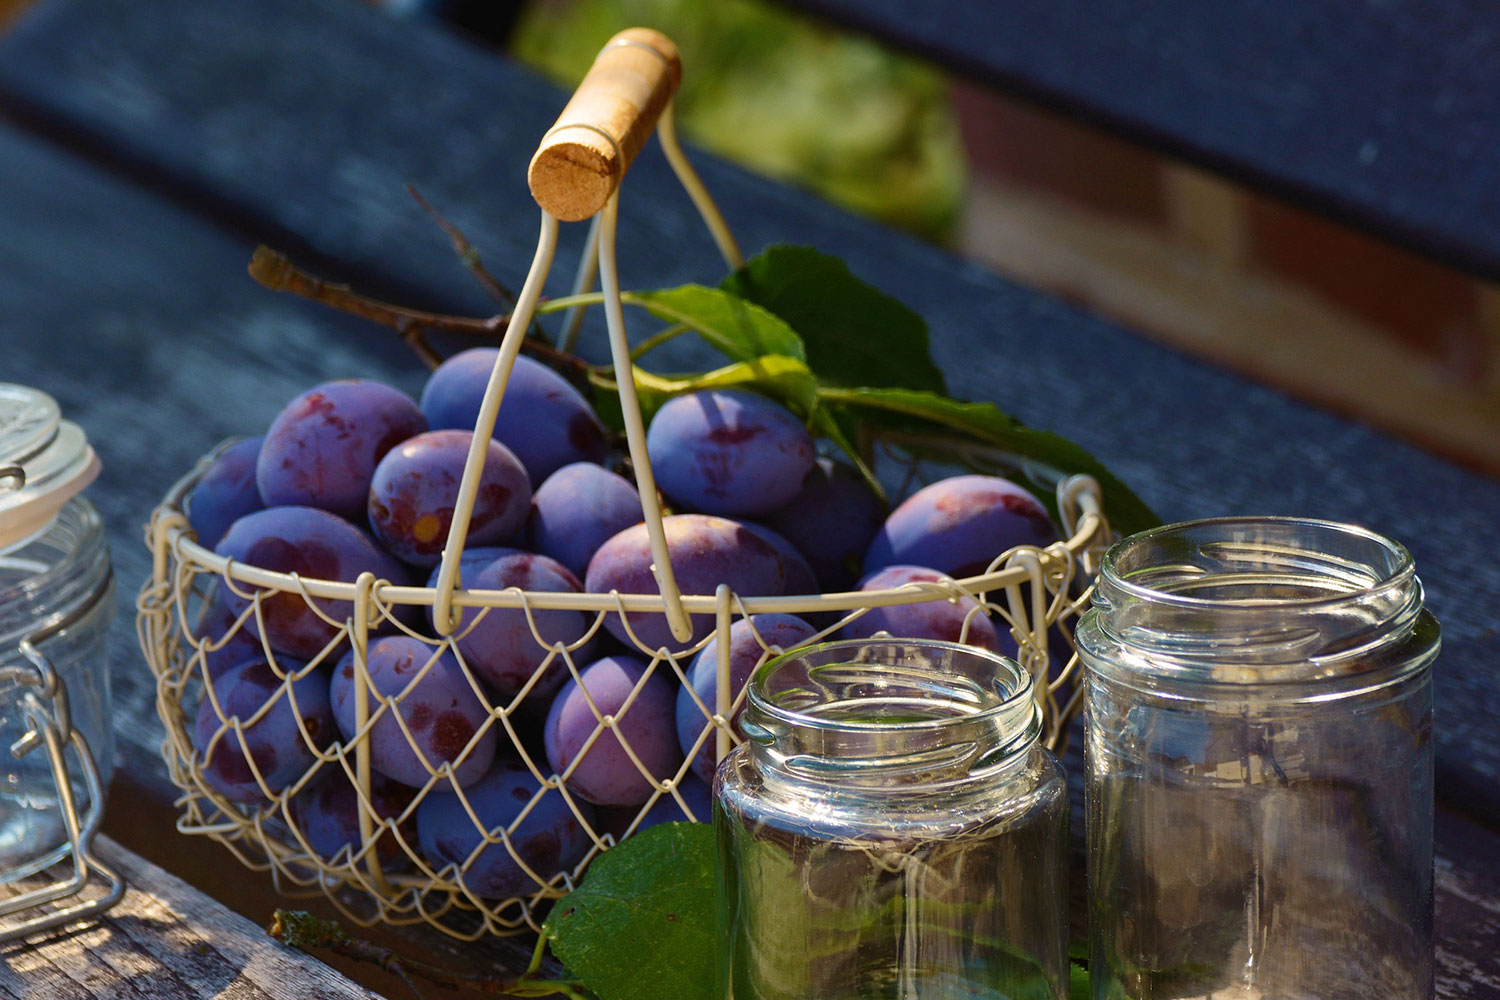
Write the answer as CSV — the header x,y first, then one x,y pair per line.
x,y
199,609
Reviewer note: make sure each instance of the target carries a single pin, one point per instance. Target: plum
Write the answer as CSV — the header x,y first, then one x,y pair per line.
x,y
705,552
226,491
578,509
549,839
959,525
831,521
327,813
543,419
745,653
314,544
441,711
501,648
322,448
605,775
274,741
729,452
940,618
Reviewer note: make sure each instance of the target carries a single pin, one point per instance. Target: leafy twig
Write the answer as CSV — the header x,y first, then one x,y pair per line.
x,y
300,929
467,253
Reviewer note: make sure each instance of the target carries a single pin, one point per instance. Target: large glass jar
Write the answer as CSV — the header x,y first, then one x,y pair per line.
x,y
892,829
1259,793
56,602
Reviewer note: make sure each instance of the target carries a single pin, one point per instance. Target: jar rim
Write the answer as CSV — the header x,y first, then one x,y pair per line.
x,y
1018,693
1399,573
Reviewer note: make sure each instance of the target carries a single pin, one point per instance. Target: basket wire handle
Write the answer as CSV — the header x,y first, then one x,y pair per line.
x,y
445,617
575,175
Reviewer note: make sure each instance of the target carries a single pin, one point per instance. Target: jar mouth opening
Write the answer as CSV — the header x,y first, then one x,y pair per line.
x,y
1256,564
895,686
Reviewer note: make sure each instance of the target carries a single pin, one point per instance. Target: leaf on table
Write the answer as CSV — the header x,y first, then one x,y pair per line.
x,y
854,333
739,328
1126,512
642,924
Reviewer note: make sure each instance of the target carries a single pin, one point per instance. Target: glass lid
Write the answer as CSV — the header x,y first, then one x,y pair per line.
x,y
44,462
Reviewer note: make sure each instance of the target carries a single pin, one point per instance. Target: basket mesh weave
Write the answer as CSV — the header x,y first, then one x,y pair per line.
x,y
1032,593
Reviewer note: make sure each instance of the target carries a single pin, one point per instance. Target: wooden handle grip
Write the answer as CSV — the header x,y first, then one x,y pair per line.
x,y
585,155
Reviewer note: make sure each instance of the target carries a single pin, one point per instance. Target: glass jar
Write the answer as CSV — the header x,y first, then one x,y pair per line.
x,y
56,603
891,828
1259,793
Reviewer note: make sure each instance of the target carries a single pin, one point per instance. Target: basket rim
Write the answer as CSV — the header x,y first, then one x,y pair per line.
x,y
170,530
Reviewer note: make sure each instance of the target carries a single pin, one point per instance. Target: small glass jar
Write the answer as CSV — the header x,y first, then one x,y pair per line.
x,y
892,829
56,603
1260,767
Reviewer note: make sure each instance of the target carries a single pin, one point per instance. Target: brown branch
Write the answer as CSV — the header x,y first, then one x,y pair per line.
x,y
300,929
416,339
467,253
276,272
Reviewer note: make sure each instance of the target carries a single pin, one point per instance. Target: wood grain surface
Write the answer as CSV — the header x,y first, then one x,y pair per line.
x,y
299,123
164,939
1381,115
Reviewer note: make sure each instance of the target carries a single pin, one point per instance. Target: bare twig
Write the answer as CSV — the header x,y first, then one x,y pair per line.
x,y
300,929
467,253
279,274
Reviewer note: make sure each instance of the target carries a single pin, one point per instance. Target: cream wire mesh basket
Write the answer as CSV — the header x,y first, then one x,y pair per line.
x,y
199,607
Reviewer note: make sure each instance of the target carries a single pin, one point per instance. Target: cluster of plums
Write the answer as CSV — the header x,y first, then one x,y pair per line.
x,y
355,477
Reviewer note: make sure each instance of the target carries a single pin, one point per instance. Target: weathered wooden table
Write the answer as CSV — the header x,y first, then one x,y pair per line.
x,y
164,939
149,147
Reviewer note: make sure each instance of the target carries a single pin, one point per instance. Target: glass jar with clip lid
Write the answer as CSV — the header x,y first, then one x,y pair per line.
x,y
56,602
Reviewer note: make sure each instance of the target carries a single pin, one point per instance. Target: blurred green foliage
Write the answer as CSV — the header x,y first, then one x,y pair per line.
x,y
790,98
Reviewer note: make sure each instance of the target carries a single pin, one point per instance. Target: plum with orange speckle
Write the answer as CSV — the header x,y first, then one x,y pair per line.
x,y
441,711
415,488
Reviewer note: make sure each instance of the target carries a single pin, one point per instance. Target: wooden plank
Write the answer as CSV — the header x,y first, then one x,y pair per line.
x,y
1468,910
165,939
1379,115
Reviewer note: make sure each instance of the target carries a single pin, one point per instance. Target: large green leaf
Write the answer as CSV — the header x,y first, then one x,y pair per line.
x,y
1126,512
739,328
855,333
642,924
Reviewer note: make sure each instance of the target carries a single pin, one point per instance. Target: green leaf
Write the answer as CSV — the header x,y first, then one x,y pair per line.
x,y
1126,512
782,378
741,329
855,333
1078,982
642,926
